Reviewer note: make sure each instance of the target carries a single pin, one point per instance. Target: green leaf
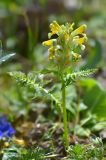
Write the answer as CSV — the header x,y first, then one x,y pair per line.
x,y
95,98
70,78
99,126
27,80
80,131
6,57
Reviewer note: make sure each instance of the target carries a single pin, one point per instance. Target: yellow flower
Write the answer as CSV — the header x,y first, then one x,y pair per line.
x,y
54,27
80,41
79,30
6,144
20,142
48,42
76,56
51,53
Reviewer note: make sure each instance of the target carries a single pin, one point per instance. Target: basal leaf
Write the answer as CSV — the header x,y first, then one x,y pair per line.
x,y
94,97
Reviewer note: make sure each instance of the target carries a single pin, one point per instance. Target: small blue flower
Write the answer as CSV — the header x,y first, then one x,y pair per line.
x,y
6,129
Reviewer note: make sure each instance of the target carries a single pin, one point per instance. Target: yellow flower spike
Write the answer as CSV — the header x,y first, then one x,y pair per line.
x,y
79,30
48,42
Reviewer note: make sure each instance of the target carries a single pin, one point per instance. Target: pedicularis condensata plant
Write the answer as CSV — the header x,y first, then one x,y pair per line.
x,y
64,52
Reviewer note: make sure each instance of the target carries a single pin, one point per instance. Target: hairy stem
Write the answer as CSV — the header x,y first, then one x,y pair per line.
x,y
66,136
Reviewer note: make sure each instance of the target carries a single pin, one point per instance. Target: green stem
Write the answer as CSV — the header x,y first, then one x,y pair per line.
x,y
66,136
30,35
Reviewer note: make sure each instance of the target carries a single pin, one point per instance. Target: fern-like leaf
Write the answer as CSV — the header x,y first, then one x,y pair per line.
x,y
27,80
70,78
